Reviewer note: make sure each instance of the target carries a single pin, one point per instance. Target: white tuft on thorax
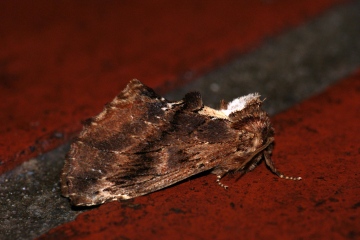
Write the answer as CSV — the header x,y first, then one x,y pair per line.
x,y
239,103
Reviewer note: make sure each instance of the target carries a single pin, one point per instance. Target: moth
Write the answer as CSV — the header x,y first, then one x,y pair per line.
x,y
141,143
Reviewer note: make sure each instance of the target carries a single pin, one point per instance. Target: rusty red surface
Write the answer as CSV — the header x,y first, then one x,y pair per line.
x,y
61,61
319,143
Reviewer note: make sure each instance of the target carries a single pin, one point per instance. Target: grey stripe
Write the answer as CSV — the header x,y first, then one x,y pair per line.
x,y
285,70
290,67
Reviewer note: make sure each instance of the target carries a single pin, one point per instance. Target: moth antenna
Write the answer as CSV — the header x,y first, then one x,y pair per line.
x,y
220,183
270,164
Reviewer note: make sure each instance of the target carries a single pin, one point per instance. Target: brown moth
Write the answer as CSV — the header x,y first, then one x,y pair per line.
x,y
142,142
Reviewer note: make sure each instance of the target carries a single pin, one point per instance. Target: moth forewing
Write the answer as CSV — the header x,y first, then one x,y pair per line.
x,y
141,143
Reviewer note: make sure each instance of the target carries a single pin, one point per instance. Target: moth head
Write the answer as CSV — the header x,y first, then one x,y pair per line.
x,y
253,123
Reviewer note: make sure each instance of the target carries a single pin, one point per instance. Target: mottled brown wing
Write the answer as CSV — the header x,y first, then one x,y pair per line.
x,y
141,143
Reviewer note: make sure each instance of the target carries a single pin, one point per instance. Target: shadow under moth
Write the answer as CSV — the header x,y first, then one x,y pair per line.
x,y
142,142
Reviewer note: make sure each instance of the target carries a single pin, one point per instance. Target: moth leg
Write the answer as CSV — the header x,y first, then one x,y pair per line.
x,y
270,164
220,173
218,177
255,162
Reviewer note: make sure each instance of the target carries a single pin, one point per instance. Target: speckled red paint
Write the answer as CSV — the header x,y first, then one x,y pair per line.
x,y
60,61
319,143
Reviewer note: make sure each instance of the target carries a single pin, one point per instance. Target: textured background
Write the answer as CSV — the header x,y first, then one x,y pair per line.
x,y
61,61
